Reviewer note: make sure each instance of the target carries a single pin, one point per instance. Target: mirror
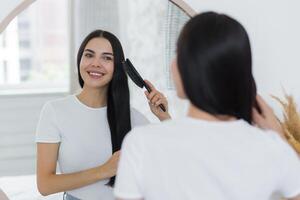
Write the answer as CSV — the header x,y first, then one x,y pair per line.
x,y
10,9
38,64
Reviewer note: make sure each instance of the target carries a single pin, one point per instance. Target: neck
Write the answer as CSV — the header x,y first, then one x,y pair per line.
x,y
93,97
197,113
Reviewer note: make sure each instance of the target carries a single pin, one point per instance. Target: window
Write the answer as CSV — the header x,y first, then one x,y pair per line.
x,y
176,18
25,69
3,71
34,50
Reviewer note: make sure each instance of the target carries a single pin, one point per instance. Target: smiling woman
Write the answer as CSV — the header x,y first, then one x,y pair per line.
x,y
17,150
92,57
84,132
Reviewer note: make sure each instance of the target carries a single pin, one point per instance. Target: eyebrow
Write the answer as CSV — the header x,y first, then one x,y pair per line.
x,y
105,53
89,50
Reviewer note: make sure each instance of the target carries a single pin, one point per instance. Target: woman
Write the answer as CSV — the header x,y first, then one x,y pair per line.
x,y
215,152
81,132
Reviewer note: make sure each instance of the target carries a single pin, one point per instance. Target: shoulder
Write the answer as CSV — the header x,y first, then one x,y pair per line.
x,y
154,130
56,107
272,142
59,105
145,138
61,102
284,148
270,137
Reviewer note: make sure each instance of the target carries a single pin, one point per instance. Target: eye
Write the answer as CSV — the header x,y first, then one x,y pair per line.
x,y
107,58
88,55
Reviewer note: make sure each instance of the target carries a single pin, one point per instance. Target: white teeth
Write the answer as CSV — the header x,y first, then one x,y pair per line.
x,y
96,74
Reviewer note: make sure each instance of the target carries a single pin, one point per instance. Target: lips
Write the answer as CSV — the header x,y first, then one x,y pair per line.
x,y
95,74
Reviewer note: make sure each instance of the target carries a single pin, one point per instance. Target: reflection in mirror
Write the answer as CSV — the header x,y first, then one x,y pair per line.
x,y
148,31
35,65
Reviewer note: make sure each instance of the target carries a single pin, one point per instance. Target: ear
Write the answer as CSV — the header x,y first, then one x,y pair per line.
x,y
177,79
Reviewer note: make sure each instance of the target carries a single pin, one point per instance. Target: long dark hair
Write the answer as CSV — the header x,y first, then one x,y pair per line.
x,y
215,65
118,103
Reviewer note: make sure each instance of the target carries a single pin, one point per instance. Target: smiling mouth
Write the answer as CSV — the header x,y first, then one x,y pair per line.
x,y
95,74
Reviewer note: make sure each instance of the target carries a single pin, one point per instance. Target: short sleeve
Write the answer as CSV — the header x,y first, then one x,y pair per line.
x,y
129,171
290,178
138,119
47,130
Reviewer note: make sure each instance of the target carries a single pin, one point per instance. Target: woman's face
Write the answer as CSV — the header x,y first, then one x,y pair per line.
x,y
97,63
177,79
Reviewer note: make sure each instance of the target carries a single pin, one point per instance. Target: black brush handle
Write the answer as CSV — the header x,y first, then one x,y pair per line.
x,y
162,107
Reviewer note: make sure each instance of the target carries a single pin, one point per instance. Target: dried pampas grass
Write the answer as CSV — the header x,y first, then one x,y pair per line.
x,y
291,121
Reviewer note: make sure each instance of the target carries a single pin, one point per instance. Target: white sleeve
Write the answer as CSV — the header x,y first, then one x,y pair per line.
x,y
290,178
47,130
138,119
128,177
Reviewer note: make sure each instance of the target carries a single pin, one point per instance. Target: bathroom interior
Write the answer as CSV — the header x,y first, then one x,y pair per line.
x,y
39,40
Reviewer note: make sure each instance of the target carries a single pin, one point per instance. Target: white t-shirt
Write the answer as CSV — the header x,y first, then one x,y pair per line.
x,y
191,159
84,137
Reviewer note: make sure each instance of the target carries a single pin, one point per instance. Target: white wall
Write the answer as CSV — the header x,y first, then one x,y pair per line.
x,y
274,29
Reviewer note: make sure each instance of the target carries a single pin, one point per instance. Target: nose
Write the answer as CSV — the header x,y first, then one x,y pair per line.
x,y
96,62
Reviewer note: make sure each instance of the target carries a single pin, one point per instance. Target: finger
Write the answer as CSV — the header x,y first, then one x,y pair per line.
x,y
151,95
155,99
147,95
263,104
161,101
150,85
257,118
151,105
255,115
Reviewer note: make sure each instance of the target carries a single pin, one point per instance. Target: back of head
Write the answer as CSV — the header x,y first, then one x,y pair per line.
x,y
214,62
